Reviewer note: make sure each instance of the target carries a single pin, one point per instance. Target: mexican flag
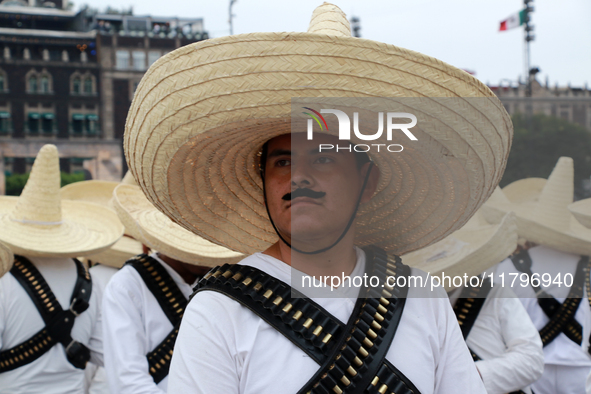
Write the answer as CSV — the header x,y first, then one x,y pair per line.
x,y
515,20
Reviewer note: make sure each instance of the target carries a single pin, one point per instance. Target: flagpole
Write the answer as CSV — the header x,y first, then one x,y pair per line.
x,y
528,71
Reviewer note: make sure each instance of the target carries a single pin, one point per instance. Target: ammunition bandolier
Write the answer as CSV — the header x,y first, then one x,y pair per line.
x,y
352,356
467,308
58,322
562,316
173,304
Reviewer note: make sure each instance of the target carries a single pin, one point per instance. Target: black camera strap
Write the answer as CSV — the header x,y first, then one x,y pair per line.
x,y
58,322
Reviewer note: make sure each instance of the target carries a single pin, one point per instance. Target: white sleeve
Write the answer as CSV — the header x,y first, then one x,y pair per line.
x,y
125,342
95,344
204,353
455,372
523,360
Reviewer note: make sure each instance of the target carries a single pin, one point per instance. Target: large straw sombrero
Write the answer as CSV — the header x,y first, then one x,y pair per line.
x,y
202,112
581,210
152,228
101,192
39,223
6,259
471,250
541,207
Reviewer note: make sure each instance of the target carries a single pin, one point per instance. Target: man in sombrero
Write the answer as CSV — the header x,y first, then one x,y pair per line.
x,y
50,321
208,138
144,301
550,272
502,339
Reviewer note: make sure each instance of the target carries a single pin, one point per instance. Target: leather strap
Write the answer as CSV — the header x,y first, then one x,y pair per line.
x,y
58,323
352,356
173,304
561,315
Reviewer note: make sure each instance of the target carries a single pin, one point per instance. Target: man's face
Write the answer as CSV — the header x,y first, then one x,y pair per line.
x,y
312,195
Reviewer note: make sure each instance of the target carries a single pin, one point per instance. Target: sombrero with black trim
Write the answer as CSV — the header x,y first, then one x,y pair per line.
x,y
201,114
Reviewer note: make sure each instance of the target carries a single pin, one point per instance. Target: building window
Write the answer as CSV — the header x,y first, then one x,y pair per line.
x,y
76,85
33,84
45,84
88,85
77,124
33,123
139,60
152,57
47,123
122,60
5,123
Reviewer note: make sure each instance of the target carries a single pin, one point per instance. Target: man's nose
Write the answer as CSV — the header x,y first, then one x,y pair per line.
x,y
301,176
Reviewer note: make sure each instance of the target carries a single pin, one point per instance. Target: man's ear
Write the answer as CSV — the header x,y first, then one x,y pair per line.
x,y
372,182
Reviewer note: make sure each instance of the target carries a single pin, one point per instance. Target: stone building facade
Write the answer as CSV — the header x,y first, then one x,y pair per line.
x,y
68,78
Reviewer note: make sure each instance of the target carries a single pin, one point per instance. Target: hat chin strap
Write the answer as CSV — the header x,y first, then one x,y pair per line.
x,y
349,224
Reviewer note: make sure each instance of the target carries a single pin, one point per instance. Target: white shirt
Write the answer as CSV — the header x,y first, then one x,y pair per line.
x,y
505,338
561,351
95,379
134,325
223,347
20,320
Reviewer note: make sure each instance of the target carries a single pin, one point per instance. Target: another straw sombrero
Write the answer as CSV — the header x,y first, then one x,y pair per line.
x,y
471,250
581,210
119,253
155,230
6,259
101,192
541,207
202,112
39,223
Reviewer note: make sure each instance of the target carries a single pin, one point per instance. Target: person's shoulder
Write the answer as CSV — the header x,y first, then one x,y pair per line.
x,y
126,278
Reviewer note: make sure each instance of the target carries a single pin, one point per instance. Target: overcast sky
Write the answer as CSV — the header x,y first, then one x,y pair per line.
x,y
463,33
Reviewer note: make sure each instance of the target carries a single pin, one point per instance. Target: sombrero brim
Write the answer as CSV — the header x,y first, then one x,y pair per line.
x,y
467,251
6,259
119,253
155,230
98,192
581,210
201,114
86,228
576,239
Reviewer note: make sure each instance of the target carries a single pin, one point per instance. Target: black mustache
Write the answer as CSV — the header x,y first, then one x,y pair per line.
x,y
303,193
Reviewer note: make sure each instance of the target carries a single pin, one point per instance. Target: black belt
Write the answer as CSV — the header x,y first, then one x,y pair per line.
x,y
58,323
173,304
352,356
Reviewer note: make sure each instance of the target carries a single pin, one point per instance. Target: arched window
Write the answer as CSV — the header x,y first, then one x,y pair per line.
x,y
88,85
44,84
76,85
33,84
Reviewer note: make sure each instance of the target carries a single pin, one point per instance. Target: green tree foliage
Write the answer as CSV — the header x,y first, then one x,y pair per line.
x,y
16,182
534,152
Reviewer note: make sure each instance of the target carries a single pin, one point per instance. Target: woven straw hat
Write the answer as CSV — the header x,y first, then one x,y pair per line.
x,y
39,223
118,254
471,250
541,207
202,113
581,210
101,192
6,259
158,232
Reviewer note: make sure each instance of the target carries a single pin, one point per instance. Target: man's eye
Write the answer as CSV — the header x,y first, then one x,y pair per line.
x,y
324,160
283,163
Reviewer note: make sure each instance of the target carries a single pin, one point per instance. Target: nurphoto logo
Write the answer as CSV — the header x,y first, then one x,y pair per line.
x,y
345,129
